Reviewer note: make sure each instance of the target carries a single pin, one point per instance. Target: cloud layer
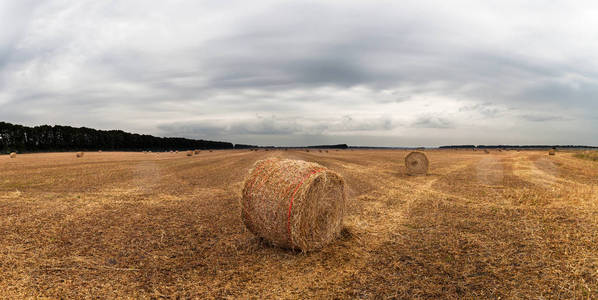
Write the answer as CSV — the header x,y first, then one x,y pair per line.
x,y
291,73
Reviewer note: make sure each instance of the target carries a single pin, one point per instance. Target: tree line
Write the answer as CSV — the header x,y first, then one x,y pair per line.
x,y
47,138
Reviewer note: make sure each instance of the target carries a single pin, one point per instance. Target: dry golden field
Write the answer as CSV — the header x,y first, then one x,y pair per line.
x,y
133,225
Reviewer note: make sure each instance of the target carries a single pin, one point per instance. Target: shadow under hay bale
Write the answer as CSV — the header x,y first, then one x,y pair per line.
x,y
417,163
293,204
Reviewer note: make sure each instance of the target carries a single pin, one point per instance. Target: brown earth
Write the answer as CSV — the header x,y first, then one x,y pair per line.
x,y
132,225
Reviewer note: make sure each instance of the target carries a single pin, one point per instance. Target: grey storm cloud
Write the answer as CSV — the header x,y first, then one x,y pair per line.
x,y
543,118
361,72
431,122
275,126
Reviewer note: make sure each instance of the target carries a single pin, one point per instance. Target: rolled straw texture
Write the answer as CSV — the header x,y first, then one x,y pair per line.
x,y
417,163
293,204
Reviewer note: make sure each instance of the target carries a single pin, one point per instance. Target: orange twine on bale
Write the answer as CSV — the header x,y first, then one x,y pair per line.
x,y
291,203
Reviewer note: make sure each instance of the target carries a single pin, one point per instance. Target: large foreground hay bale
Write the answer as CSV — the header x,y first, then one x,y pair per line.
x,y
293,204
417,163
79,154
13,154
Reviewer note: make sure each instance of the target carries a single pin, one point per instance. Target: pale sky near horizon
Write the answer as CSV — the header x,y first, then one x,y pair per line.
x,y
376,73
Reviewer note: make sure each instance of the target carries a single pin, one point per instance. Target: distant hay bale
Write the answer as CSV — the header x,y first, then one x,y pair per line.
x,y
79,154
417,163
486,151
13,154
210,151
551,152
189,153
100,151
196,152
293,204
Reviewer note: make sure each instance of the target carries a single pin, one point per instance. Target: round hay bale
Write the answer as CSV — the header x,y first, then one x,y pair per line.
x,y
13,154
293,204
196,152
551,152
417,163
79,154
189,153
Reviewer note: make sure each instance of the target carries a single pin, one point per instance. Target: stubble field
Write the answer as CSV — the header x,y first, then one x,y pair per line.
x,y
112,225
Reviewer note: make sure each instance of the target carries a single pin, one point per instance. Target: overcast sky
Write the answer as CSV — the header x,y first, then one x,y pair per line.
x,y
379,73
